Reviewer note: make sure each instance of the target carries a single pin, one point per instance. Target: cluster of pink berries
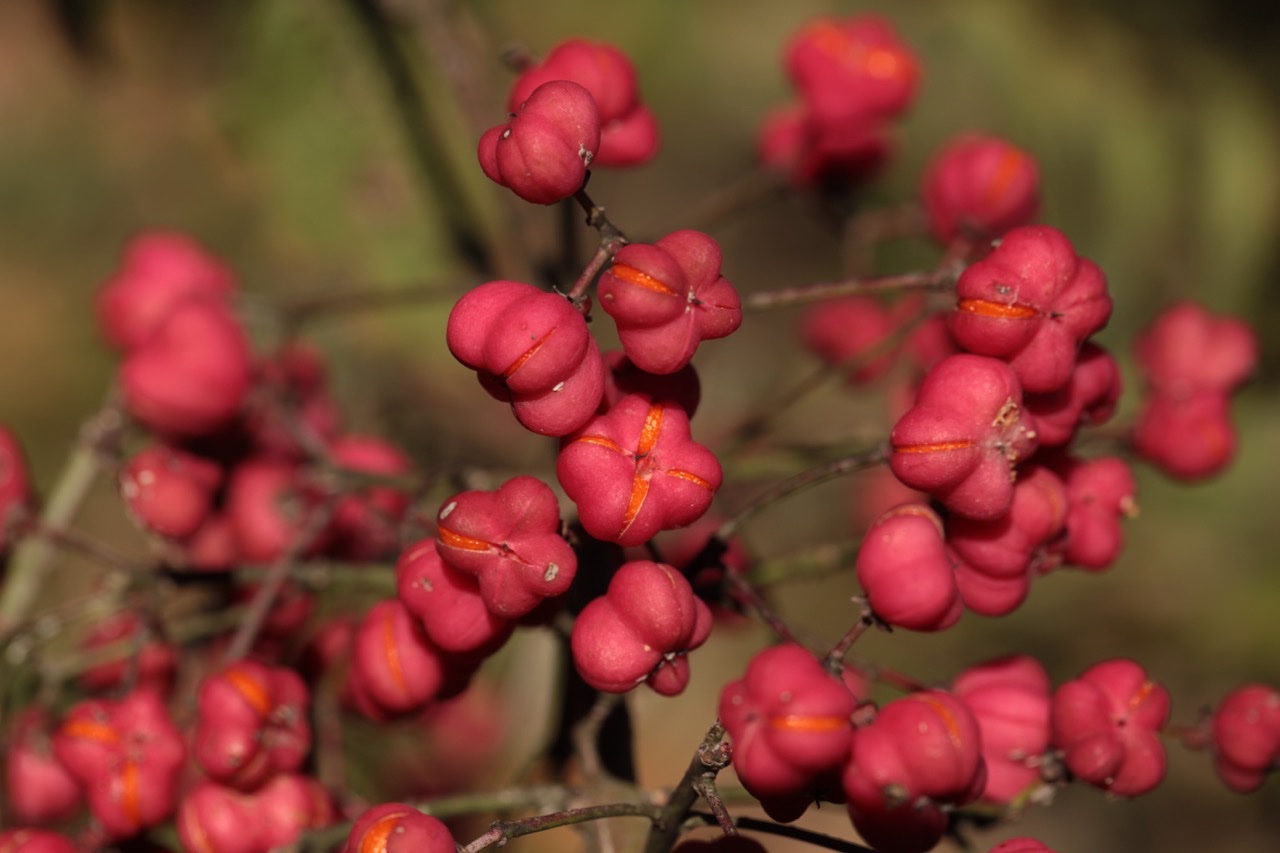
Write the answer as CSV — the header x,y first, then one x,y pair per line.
x,y
242,461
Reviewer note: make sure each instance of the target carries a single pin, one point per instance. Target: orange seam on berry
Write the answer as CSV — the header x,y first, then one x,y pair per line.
x,y
1006,170
997,310
451,539
375,837
948,720
129,793
601,441
89,730
936,447
1141,695
528,354
392,656
690,477
639,491
631,275
798,723
651,430
250,690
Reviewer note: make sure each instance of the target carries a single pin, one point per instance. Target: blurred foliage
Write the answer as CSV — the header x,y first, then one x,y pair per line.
x,y
270,129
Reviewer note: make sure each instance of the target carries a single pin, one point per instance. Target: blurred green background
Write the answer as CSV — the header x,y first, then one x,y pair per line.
x,y
267,128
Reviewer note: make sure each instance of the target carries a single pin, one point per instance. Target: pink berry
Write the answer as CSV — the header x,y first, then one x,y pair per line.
x,y
159,270
1007,546
271,510
1107,724
366,524
980,186
668,297
168,491
15,485
191,376
1009,697
531,349
398,828
905,571
1101,493
1089,397
1032,302
448,602
127,755
157,660
252,724
1190,438
543,152
636,470
508,539
1021,845
35,841
1187,350
1246,736
398,669
961,439
812,153
850,333
789,721
38,788
628,131
623,377
852,68
640,630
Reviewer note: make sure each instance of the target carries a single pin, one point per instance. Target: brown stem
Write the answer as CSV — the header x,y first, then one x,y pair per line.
x,y
707,789
504,830
750,598
266,595
938,281
708,760
612,239
835,658
29,568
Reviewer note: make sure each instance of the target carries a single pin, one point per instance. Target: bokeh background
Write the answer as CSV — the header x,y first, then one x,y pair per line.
x,y
270,130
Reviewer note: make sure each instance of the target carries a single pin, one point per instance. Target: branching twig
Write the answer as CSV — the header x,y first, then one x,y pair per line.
x,y
939,281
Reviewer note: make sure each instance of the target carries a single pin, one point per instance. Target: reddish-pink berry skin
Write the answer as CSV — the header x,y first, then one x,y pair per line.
x,y
1021,845
980,186
127,755
531,349
961,439
1187,350
38,788
789,722
15,484
399,669
192,374
812,153
849,331
1107,724
35,841
640,631
667,297
623,377
851,68
1089,397
157,660
543,152
1006,546
1031,302
628,131
398,828
448,602
1246,737
365,524
1009,697
168,491
509,539
1101,492
636,470
1189,438
905,571
158,271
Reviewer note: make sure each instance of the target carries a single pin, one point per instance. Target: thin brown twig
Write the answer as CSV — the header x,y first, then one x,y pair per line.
x,y
940,281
